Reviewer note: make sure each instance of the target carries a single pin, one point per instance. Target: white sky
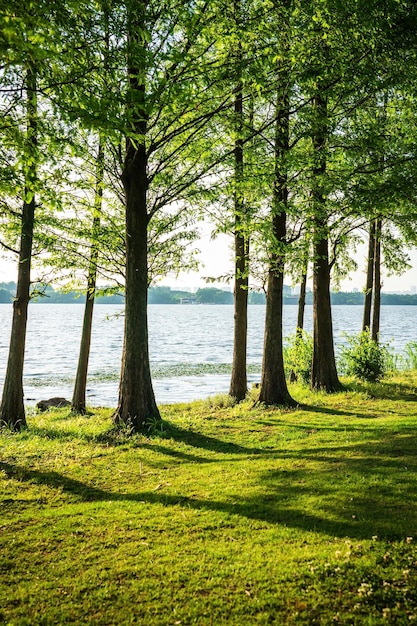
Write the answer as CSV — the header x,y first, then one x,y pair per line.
x,y
217,257
217,260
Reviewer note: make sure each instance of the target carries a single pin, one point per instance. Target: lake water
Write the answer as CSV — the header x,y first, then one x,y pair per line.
x,y
190,346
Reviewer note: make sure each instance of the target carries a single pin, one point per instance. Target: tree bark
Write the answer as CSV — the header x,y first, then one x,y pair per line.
x,y
366,323
324,373
302,302
376,313
12,409
78,404
274,389
300,314
136,396
238,382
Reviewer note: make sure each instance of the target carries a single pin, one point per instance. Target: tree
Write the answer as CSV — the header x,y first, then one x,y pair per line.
x,y
12,410
273,383
136,396
238,382
167,129
31,44
324,373
78,403
336,79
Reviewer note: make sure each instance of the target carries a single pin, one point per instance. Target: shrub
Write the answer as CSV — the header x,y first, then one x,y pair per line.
x,y
365,358
298,356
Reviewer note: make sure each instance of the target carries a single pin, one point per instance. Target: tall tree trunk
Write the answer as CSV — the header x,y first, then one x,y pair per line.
x,y
12,409
79,395
366,323
273,383
302,301
274,388
136,396
238,382
78,404
376,313
324,373
300,313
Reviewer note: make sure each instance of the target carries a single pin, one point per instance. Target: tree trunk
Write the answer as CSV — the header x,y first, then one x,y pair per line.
x,y
273,383
366,323
136,396
79,396
376,313
238,382
12,410
324,373
302,302
300,314
274,389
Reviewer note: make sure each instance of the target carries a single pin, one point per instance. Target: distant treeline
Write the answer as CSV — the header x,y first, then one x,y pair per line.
x,y
206,295
49,295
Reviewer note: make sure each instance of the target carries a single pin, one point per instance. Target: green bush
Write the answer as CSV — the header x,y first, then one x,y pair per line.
x,y
365,358
298,356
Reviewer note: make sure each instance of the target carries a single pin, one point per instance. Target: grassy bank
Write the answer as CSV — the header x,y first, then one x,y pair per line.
x,y
228,515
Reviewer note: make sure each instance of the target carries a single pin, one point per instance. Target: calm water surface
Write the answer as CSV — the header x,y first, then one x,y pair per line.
x,y
190,346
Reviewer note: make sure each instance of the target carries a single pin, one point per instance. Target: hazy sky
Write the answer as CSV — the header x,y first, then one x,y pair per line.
x,y
217,258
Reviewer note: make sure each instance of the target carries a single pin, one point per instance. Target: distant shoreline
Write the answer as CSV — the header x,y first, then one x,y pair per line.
x,y
207,295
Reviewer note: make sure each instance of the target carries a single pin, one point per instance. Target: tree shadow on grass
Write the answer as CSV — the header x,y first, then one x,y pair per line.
x,y
206,442
173,453
325,491
55,480
385,390
307,408
116,437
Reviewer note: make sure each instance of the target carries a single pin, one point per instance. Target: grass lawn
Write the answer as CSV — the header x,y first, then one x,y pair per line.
x,y
227,515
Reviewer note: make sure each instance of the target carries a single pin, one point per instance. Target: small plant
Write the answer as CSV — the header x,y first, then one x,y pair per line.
x,y
155,426
221,401
298,356
364,358
410,356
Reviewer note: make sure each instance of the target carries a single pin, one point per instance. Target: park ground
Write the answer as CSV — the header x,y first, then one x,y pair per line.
x,y
222,514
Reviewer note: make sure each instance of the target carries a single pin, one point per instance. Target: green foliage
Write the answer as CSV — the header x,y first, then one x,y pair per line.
x,y
298,356
365,358
155,427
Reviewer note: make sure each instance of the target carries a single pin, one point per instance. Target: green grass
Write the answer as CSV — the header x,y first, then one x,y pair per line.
x,y
230,515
